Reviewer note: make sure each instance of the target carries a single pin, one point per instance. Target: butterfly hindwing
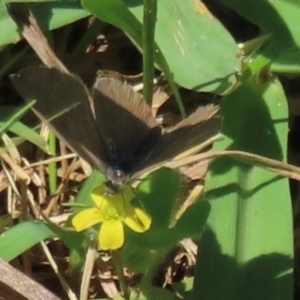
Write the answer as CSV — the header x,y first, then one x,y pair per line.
x,y
196,129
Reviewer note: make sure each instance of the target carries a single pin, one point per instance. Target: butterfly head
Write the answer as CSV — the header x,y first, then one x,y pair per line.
x,y
116,179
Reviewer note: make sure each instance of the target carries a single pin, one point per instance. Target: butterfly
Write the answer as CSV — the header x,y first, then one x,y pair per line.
x,y
110,125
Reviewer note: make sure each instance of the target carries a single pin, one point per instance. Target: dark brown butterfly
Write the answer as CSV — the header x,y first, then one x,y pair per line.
x,y
110,126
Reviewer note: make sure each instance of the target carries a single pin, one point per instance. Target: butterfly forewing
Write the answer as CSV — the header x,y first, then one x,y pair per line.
x,y
125,122
63,103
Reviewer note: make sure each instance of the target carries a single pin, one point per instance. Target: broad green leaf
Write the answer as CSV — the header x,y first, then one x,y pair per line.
x,y
184,287
200,53
50,16
287,62
159,196
145,253
193,220
248,250
281,20
22,237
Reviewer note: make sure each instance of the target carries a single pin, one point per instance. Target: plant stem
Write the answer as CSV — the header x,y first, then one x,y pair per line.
x,y
150,9
117,261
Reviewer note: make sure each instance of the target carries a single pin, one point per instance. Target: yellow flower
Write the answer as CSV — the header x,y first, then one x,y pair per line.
x,y
113,211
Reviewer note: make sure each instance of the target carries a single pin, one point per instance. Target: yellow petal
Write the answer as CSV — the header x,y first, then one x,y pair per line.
x,y
111,235
138,220
105,201
87,218
143,217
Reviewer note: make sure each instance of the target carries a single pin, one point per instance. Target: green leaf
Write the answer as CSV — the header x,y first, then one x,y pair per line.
x,y
193,220
9,115
29,135
22,237
287,62
184,287
9,122
50,16
158,195
199,51
84,196
281,20
247,251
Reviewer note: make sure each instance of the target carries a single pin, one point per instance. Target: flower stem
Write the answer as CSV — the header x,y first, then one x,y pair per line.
x,y
117,261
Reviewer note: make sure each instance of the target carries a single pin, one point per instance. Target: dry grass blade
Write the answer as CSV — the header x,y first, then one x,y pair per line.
x,y
283,169
18,286
88,269
192,198
52,262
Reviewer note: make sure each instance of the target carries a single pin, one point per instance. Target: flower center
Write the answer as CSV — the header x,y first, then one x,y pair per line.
x,y
112,214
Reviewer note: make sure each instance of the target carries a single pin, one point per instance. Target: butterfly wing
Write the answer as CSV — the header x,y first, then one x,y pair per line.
x,y
64,104
196,129
125,122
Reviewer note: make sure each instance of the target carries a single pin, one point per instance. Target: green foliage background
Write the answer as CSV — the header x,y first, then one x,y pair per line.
x,y
246,251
